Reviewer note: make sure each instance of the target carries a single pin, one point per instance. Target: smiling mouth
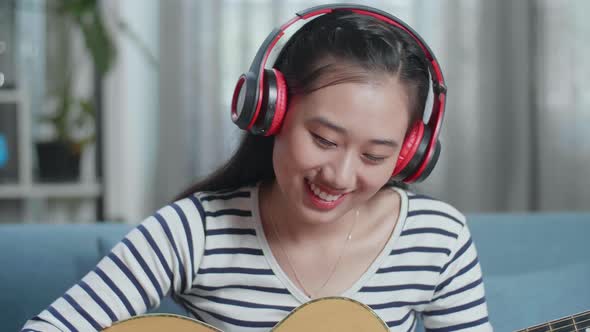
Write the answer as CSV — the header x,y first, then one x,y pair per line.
x,y
321,194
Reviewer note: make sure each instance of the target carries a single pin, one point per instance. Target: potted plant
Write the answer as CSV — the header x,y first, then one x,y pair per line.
x,y
73,118
73,127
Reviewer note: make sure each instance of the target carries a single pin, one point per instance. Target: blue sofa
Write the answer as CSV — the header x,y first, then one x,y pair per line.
x,y
536,266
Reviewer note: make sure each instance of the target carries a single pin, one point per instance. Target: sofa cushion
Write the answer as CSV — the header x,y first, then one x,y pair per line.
x,y
40,262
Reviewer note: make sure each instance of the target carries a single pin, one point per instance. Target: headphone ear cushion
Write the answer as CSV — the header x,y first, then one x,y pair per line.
x,y
409,147
281,103
273,102
412,152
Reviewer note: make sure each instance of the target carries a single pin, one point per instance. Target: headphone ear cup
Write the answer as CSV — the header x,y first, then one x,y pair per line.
x,y
281,103
430,163
244,100
412,151
274,98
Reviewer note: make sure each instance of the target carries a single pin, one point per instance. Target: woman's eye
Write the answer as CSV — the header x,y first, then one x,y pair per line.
x,y
374,159
322,141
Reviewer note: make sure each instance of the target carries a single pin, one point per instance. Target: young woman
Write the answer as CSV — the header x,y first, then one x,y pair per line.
x,y
313,202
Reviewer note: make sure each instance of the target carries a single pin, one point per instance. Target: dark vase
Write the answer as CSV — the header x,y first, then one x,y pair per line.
x,y
58,162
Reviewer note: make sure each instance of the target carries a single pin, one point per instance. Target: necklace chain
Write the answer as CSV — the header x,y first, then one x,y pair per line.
x,y
299,280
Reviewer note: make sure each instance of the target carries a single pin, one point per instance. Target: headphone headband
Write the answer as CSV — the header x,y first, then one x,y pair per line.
x,y
274,44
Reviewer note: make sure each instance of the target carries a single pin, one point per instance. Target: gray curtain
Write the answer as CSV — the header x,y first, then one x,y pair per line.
x,y
562,105
516,132
485,48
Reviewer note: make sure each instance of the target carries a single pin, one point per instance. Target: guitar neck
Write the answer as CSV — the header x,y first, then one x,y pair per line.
x,y
575,323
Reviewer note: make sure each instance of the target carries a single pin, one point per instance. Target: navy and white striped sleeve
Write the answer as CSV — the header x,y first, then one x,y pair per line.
x,y
458,302
158,257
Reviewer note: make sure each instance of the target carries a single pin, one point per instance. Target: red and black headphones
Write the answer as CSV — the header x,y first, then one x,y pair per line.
x,y
259,101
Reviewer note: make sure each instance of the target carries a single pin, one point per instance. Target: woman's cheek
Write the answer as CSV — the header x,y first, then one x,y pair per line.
x,y
307,154
290,154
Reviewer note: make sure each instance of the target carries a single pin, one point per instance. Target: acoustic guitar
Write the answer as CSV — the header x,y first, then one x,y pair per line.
x,y
329,314
574,323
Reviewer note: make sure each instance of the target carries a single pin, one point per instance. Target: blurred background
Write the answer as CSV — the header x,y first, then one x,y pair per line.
x,y
109,108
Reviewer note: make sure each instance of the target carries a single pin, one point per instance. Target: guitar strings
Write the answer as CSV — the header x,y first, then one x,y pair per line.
x,y
560,329
577,328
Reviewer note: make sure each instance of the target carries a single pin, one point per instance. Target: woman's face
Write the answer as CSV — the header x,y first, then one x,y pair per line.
x,y
338,146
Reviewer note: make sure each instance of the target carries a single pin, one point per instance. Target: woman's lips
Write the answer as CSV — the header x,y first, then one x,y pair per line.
x,y
322,203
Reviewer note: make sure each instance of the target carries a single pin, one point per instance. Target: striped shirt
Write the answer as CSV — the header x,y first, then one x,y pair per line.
x,y
209,252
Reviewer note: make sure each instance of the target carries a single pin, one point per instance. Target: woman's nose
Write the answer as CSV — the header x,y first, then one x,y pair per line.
x,y
340,172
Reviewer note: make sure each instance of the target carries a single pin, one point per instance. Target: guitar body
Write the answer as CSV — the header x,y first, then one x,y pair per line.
x,y
332,314
328,314
161,323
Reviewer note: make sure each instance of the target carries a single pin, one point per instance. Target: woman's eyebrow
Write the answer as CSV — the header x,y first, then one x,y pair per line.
x,y
327,123
387,142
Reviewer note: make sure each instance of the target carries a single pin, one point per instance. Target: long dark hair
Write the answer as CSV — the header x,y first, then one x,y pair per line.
x,y
353,40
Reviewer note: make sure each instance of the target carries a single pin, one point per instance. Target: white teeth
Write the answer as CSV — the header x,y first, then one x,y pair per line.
x,y
323,195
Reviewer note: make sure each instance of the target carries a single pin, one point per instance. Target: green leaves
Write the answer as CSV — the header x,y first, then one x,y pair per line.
x,y
74,113
87,16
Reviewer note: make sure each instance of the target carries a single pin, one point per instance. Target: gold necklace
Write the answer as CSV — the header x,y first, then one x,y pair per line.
x,y
291,266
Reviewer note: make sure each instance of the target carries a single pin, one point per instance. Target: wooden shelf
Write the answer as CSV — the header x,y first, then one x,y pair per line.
x,y
22,197
10,96
42,190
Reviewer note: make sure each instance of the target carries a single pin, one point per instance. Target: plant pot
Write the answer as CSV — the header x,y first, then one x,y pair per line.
x,y
58,162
